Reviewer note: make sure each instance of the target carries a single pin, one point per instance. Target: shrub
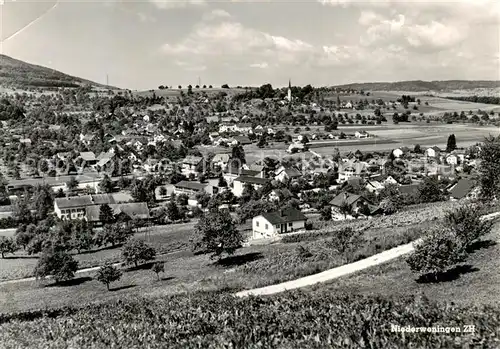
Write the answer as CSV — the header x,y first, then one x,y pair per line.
x,y
303,253
157,268
7,245
437,252
346,239
467,223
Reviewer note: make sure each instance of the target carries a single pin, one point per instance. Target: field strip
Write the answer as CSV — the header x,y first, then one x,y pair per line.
x,y
337,272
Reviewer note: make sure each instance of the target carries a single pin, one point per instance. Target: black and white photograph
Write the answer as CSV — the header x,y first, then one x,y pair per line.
x,y
289,174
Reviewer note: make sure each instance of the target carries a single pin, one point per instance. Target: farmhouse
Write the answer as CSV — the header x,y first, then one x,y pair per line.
x,y
231,173
123,212
271,224
348,206
220,160
189,165
432,152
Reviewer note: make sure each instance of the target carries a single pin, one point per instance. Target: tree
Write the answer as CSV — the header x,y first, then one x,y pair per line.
x,y
417,149
437,252
56,262
113,234
42,201
173,212
106,185
106,214
21,211
345,208
216,233
346,239
429,190
7,245
490,168
107,274
452,143
136,251
225,86
468,224
72,184
157,268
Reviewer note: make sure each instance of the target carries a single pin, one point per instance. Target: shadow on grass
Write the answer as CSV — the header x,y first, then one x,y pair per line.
x,y
122,288
143,266
233,261
20,257
449,275
168,278
105,248
481,244
72,282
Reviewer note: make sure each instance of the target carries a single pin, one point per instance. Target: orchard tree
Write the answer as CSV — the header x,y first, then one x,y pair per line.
x,y
136,251
7,245
56,262
107,274
157,268
216,233
467,224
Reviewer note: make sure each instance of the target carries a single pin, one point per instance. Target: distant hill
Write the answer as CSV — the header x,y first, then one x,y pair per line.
x,y
421,86
19,74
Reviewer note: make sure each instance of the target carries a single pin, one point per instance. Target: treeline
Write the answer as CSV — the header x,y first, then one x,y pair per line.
x,y
477,99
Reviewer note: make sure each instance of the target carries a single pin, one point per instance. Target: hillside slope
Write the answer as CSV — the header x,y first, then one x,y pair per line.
x,y
420,86
19,74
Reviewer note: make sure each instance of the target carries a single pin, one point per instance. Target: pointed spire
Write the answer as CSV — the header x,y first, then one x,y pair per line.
x,y
289,83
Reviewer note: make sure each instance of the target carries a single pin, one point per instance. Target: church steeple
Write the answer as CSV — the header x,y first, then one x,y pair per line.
x,y
289,83
289,94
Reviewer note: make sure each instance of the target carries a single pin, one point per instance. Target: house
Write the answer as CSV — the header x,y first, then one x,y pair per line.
x,y
150,165
25,141
284,173
89,158
349,206
87,138
374,186
221,160
244,127
190,164
432,152
227,127
122,212
242,140
295,148
231,173
451,159
240,182
193,188
397,153
75,207
464,189
361,135
279,195
271,224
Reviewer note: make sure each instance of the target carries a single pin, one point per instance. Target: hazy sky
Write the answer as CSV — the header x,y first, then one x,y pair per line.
x,y
142,44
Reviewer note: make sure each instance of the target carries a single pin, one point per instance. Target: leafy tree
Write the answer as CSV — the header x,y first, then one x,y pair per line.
x,y
42,201
452,143
113,234
430,191
107,274
21,211
72,184
468,224
106,184
389,206
417,149
7,245
237,157
106,214
437,252
490,168
216,233
326,213
346,239
173,212
225,86
136,251
157,268
82,236
24,234
56,262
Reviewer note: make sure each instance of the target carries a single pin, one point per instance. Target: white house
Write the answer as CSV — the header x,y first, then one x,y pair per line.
x,y
374,186
361,135
220,160
240,182
432,152
227,127
284,173
271,224
189,165
452,159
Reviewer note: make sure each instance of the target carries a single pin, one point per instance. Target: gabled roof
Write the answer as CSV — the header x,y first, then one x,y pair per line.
x,y
73,201
221,158
349,198
138,210
408,189
192,160
462,188
290,171
88,156
252,180
284,216
191,185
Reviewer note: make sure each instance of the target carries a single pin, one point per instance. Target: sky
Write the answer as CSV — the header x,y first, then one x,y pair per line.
x,y
142,44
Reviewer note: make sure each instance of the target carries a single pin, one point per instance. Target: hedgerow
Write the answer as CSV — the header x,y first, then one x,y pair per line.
x,y
290,320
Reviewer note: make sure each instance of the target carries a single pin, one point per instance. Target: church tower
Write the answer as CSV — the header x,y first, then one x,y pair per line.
x,y
289,95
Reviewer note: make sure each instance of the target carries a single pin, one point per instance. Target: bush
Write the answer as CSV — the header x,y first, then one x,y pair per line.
x,y
346,239
7,245
467,223
437,252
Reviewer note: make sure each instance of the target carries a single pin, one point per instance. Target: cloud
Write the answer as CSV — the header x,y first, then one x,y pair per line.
x,y
216,14
262,65
169,4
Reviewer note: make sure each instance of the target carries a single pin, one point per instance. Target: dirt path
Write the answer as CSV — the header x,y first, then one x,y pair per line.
x,y
337,272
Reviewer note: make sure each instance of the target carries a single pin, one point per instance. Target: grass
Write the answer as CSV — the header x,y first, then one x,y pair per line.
x,y
476,282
